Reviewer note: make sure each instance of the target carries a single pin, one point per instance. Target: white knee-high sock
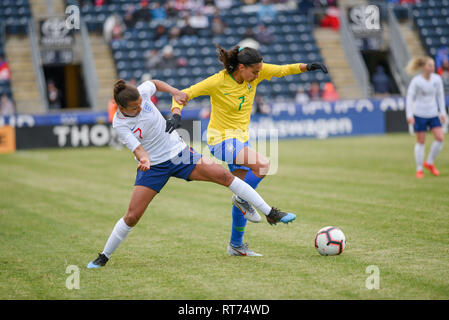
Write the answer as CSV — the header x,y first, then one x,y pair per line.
x,y
419,155
119,233
246,192
434,151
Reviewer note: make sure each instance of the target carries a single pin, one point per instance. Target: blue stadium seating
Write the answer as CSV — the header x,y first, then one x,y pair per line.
x,y
294,42
432,18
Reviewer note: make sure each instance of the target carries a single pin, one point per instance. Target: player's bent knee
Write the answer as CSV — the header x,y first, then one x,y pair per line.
x,y
131,219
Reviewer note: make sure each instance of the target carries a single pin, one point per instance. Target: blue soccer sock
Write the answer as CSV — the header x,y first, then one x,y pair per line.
x,y
238,220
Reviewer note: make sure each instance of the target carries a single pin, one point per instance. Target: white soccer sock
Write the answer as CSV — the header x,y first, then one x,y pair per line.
x,y
419,155
117,236
247,193
434,151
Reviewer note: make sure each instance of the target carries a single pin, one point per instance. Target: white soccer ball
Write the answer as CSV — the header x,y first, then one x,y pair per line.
x,y
330,241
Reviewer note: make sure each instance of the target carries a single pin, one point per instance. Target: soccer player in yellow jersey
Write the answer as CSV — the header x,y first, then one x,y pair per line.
x,y
232,92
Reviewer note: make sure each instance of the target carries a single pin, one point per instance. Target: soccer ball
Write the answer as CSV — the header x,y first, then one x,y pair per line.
x,y
330,241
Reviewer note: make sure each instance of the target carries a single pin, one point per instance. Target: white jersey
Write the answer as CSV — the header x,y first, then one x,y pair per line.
x,y
148,129
425,97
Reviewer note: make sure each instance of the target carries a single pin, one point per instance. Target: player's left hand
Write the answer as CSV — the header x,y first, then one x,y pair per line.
x,y
181,97
316,66
443,119
144,164
173,122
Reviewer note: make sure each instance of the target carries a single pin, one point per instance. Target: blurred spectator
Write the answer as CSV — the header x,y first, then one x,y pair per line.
x,y
381,81
187,30
218,25
249,40
329,92
5,71
301,96
130,17
315,91
249,2
205,113
54,96
133,82
6,106
331,18
445,74
161,33
441,56
112,109
158,12
199,21
113,27
143,14
182,5
223,4
168,59
263,35
266,11
261,106
170,9
209,8
100,3
117,32
152,59
175,33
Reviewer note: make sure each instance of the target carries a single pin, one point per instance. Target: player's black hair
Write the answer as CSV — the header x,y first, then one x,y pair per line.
x,y
124,93
232,58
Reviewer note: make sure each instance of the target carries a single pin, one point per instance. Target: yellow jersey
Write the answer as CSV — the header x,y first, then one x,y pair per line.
x,y
232,102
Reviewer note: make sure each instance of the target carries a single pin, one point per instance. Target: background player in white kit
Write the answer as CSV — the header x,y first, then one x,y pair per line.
x,y
425,107
162,155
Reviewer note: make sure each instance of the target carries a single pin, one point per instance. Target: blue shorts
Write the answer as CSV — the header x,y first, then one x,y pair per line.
x,y
180,166
421,124
227,151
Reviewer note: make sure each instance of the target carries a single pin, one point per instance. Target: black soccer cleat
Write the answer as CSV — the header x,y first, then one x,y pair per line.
x,y
277,215
99,262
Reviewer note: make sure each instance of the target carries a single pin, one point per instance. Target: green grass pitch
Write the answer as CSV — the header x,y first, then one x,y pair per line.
x,y
58,207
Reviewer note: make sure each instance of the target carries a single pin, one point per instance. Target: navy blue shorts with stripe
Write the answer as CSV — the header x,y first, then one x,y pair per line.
x,y
181,166
421,124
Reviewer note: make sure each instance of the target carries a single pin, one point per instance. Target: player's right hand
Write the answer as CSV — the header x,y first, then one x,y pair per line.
x,y
411,120
144,164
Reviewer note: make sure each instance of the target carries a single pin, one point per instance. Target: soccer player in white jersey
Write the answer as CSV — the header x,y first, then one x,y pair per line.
x,y
161,155
425,107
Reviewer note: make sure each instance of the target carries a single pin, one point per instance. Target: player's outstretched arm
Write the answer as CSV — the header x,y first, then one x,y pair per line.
x,y
315,66
179,96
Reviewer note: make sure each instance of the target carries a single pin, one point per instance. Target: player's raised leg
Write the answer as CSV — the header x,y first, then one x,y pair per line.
x,y
140,199
207,170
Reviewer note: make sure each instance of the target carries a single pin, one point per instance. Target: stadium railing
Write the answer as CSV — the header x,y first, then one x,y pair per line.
x,y
89,70
400,53
353,54
37,64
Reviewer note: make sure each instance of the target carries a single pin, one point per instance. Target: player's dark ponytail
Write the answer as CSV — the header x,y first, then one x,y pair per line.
x,y
124,93
232,58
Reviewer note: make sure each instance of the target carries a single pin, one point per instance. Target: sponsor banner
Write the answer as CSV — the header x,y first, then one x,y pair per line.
x,y
98,135
321,119
62,136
